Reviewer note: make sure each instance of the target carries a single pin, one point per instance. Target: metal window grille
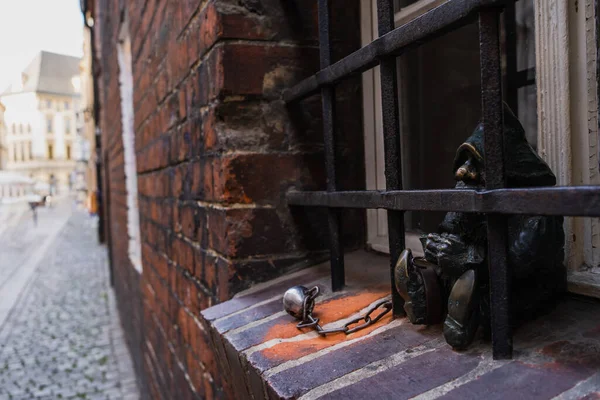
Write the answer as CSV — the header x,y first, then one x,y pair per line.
x,y
495,201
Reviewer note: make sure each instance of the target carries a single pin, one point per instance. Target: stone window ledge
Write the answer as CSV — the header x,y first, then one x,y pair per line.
x,y
263,355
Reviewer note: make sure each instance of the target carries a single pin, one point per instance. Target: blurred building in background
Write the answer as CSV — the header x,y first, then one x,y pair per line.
x,y
3,152
40,119
14,187
85,175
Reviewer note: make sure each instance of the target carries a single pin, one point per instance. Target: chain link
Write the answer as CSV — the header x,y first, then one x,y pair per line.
x,y
309,321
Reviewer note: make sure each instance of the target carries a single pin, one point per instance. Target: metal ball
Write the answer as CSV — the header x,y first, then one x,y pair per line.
x,y
293,301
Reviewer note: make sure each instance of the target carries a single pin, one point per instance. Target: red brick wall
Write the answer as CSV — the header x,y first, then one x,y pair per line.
x,y
216,152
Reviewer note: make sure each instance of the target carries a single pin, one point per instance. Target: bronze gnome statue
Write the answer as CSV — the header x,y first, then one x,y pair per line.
x,y
452,279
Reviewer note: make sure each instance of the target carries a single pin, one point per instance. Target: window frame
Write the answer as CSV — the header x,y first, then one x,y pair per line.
x,y
568,121
125,78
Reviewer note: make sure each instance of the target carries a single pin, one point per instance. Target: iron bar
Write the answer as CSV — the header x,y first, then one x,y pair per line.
x,y
328,105
497,230
442,19
576,201
391,144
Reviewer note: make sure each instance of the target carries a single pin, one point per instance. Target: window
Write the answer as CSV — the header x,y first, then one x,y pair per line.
x,y
68,151
50,152
28,128
66,105
49,104
30,151
67,125
21,128
23,152
14,152
127,121
49,124
439,85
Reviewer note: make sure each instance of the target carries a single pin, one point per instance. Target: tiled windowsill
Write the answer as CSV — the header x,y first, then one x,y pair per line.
x,y
263,355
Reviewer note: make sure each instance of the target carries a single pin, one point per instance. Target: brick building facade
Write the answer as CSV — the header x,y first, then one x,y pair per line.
x,y
199,152
216,150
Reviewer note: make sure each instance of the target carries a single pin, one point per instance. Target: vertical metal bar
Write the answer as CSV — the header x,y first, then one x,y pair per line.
x,y
391,141
328,103
491,102
510,29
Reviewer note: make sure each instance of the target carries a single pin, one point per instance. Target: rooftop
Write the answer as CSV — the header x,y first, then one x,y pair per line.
x,y
48,73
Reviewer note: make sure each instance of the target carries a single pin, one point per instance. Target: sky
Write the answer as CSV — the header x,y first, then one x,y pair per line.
x,y
29,26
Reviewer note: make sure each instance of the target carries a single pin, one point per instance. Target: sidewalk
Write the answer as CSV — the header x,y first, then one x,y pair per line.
x,y
63,338
10,213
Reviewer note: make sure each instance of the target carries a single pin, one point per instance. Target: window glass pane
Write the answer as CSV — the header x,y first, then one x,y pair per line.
x,y
407,10
526,95
440,101
49,124
440,106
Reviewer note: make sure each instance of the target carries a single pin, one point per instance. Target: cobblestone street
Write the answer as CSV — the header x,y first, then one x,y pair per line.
x,y
60,335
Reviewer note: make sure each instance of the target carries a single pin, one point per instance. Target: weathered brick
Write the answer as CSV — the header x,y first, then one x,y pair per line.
x,y
211,133
244,232
241,178
267,70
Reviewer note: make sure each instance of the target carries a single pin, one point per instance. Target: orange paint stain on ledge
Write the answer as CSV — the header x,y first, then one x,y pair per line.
x,y
292,350
329,311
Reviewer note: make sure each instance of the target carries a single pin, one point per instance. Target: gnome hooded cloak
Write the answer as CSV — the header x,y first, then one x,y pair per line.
x,y
458,251
523,166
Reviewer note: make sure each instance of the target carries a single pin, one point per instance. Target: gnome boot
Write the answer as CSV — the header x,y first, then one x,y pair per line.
x,y
417,283
462,319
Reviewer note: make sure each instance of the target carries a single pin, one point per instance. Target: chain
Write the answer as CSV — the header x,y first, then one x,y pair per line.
x,y
309,321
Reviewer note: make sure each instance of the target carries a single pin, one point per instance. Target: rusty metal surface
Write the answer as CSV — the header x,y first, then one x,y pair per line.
x,y
328,106
560,200
391,143
445,18
497,229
